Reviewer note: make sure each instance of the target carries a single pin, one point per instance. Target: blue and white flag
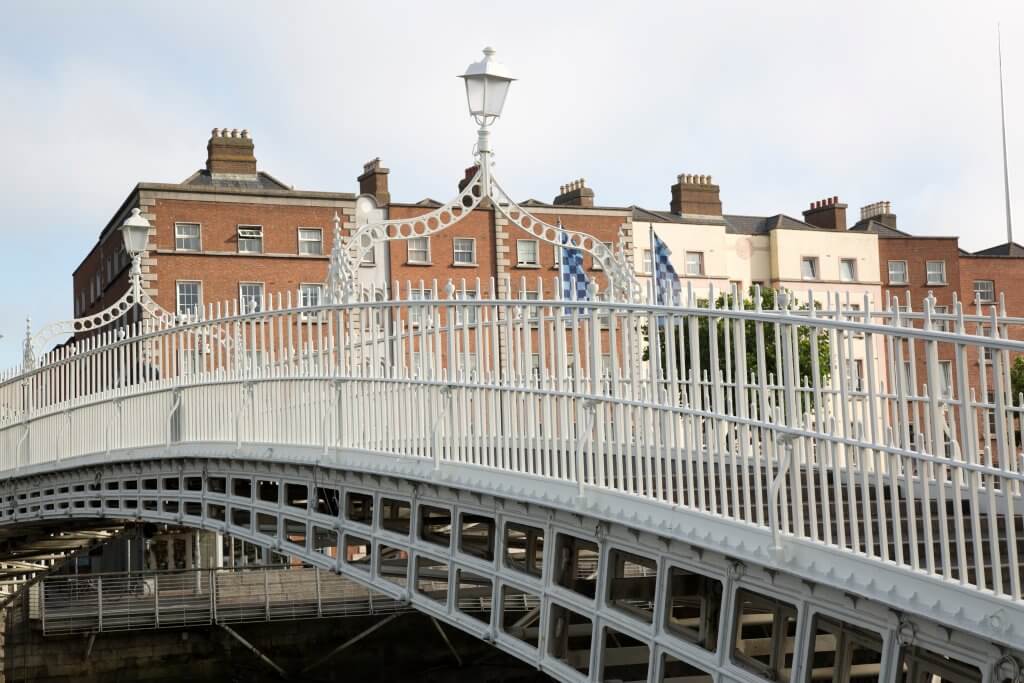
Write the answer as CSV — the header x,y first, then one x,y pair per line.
x,y
666,283
570,269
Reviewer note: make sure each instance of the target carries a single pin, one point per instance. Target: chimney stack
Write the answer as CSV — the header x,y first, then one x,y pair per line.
x,y
697,195
878,211
374,181
827,213
576,193
230,153
467,176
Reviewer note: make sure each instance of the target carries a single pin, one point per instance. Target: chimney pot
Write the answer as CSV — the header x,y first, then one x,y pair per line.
x,y
230,152
694,193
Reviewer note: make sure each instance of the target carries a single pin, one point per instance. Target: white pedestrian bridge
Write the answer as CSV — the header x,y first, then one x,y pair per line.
x,y
703,492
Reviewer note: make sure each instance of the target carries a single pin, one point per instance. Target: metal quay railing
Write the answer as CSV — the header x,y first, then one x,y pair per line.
x,y
888,433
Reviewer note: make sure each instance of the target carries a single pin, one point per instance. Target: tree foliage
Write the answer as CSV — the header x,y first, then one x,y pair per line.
x,y
772,359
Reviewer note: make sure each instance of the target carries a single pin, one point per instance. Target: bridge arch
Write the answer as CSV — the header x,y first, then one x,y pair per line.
x,y
463,532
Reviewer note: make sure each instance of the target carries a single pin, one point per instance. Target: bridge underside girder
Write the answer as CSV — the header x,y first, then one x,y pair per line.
x,y
593,598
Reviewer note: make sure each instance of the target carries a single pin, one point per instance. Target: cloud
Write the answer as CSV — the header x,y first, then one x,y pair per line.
x,y
783,103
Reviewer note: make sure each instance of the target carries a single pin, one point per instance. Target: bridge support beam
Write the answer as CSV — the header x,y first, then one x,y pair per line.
x,y
352,641
252,648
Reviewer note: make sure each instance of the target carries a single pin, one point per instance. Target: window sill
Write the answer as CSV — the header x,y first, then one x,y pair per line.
x,y
368,264
936,284
529,266
418,263
465,265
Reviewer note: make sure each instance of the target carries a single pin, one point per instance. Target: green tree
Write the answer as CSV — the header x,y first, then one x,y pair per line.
x,y
772,360
1017,378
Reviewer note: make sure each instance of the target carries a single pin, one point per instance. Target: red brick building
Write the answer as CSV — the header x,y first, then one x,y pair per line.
x,y
228,232
914,267
231,234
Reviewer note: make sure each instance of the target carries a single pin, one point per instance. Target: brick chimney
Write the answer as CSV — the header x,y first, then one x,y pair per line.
x,y
696,194
230,153
827,213
467,176
374,181
576,193
878,211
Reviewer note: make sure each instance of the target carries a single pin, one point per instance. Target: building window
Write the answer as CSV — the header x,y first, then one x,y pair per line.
x,y
189,299
466,314
940,325
250,239
936,272
420,314
250,297
897,272
695,263
370,257
648,264
986,350
855,374
595,263
419,250
526,253
311,241
465,250
186,236
310,295
984,291
809,267
946,376
848,269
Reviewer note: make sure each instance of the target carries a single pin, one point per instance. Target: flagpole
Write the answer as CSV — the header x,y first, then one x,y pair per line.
x,y
652,286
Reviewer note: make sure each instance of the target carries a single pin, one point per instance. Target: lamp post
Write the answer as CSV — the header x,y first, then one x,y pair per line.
x,y
135,234
487,83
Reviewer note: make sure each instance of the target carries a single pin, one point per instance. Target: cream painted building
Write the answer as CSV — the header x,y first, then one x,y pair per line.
x,y
815,257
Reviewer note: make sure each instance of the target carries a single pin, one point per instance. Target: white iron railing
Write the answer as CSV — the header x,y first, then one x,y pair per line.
x,y
889,433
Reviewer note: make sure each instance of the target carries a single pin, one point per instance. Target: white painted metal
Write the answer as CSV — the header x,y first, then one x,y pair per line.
x,y
907,486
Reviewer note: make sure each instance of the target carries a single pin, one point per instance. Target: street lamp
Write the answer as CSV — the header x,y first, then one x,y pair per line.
x,y
487,83
135,231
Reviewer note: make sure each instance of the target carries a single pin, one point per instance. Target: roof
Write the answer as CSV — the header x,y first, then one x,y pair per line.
x,y
762,225
878,228
261,181
1004,249
735,225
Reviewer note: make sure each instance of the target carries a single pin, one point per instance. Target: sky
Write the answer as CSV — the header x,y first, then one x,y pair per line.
x,y
782,102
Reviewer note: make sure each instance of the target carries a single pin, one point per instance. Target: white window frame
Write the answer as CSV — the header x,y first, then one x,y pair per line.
x,y
942,325
199,298
302,298
178,237
242,305
520,263
409,250
992,298
369,258
853,270
319,241
928,273
415,310
472,313
253,229
902,280
456,251
700,263
816,267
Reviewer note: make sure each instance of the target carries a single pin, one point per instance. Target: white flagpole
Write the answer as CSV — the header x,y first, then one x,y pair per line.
x,y
654,266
